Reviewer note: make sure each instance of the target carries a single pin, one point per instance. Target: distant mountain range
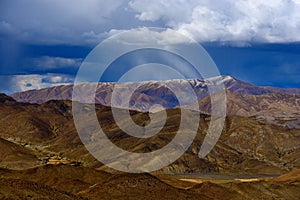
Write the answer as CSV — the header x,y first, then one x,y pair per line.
x,y
280,106
41,154
150,90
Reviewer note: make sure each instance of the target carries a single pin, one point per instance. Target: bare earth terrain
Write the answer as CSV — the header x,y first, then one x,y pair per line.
x,y
256,157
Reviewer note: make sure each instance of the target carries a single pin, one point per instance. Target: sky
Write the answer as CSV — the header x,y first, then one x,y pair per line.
x,y
44,42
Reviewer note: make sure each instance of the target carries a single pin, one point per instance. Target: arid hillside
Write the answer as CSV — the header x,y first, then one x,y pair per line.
x,y
43,156
279,106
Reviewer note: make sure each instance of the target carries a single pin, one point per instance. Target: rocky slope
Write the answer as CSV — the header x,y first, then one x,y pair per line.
x,y
280,106
150,91
47,132
272,108
40,140
64,183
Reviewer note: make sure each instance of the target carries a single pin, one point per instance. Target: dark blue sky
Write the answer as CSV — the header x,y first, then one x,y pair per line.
x,y
43,43
260,64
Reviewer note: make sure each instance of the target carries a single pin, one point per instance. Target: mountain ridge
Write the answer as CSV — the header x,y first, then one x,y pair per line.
x,y
280,106
230,83
41,141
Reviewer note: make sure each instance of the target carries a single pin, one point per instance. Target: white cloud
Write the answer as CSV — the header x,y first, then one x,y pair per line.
x,y
164,9
240,21
29,82
47,62
150,36
17,83
93,38
85,22
55,79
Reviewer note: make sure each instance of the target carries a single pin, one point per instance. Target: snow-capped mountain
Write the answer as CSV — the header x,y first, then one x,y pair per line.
x,y
268,104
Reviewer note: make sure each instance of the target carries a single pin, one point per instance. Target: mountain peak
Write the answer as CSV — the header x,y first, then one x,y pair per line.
x,y
228,78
